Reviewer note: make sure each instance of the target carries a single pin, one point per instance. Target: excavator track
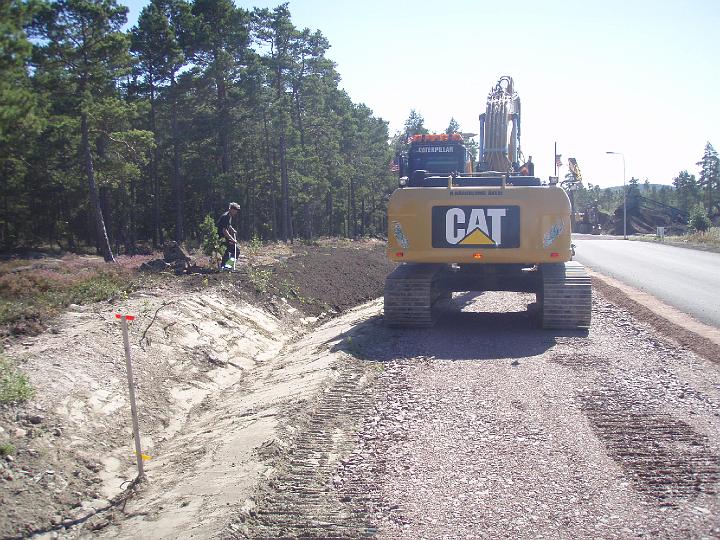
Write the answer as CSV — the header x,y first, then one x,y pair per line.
x,y
411,291
566,296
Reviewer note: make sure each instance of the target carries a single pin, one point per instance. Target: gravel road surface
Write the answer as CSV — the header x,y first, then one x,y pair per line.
x,y
684,278
488,427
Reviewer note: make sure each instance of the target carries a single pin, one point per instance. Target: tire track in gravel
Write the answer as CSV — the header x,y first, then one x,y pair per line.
x,y
667,458
610,435
302,499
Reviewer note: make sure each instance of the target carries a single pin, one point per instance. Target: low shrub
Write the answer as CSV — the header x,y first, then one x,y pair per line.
x,y
6,449
14,385
32,292
699,220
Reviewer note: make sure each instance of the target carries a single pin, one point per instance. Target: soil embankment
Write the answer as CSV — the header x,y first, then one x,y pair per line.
x,y
198,342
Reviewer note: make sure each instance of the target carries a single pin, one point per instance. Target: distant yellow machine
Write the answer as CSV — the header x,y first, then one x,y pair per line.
x,y
498,228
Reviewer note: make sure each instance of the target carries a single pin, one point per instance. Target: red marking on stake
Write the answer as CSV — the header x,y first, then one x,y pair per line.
x,y
127,317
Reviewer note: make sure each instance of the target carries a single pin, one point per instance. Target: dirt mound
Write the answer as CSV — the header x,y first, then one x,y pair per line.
x,y
644,216
325,278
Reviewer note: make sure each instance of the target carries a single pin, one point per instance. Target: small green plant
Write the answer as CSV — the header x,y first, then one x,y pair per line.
x,y
14,385
212,244
699,220
260,278
256,243
6,449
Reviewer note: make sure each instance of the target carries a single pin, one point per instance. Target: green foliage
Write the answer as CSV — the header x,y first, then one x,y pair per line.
x,y
14,387
415,124
256,245
687,191
709,179
162,107
212,244
260,278
6,449
453,127
21,116
699,220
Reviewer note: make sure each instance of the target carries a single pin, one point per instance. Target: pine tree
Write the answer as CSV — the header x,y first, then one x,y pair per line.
x,y
415,124
20,115
160,55
453,127
687,190
220,48
275,29
85,39
709,180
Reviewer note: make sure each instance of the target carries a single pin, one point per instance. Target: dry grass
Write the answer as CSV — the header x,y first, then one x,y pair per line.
x,y
711,237
708,240
31,291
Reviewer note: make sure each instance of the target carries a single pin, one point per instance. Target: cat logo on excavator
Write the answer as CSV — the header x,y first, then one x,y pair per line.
x,y
476,226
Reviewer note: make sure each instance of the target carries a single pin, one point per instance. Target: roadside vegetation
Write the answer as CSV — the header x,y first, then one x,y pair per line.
x,y
709,239
14,387
691,204
32,291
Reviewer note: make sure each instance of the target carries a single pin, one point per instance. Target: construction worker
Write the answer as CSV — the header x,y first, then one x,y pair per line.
x,y
227,232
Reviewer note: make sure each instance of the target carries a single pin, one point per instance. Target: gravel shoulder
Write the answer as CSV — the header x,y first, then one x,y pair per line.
x,y
488,427
613,434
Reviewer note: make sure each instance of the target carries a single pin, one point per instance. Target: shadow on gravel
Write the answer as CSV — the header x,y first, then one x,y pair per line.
x,y
457,335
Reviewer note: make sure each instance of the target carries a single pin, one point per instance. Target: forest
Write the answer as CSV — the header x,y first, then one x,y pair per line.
x,y
116,140
120,140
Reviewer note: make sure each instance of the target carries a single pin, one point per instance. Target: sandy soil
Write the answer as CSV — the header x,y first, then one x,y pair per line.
x,y
197,342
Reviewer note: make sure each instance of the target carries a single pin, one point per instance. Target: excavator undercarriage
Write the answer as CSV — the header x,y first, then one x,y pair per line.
x,y
414,292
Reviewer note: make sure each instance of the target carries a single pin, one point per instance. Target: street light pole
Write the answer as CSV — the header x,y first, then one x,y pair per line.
x,y
624,194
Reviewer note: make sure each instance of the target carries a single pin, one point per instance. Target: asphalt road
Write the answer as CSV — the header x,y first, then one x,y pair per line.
x,y
687,279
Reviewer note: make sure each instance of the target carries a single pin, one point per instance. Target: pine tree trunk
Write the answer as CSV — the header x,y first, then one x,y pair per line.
x,y
102,237
271,171
157,230
362,217
285,192
308,221
352,209
132,226
329,212
176,180
6,208
224,136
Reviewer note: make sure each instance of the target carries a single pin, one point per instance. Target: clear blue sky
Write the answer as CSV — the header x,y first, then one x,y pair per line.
x,y
636,76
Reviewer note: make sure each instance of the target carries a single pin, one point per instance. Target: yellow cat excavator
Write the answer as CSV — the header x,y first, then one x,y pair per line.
x,y
494,228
